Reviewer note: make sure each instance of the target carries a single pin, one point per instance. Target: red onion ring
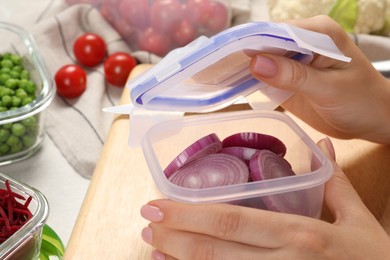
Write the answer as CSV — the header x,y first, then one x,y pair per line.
x,y
208,144
244,153
209,171
255,141
266,165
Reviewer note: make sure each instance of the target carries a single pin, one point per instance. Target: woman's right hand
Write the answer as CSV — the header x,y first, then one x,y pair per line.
x,y
344,100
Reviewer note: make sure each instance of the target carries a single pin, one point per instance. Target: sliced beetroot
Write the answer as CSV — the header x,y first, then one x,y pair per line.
x,y
208,144
209,171
266,165
256,141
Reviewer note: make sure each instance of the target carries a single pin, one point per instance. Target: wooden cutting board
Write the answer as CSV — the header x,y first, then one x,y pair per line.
x,y
109,223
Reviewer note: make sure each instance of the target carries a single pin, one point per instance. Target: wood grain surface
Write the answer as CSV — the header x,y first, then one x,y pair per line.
x,y
109,223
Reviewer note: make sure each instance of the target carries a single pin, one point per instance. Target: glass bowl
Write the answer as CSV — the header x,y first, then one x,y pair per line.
x,y
28,119
26,242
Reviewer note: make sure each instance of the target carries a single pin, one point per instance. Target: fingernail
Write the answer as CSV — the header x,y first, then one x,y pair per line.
x,y
152,213
264,66
158,255
329,148
147,235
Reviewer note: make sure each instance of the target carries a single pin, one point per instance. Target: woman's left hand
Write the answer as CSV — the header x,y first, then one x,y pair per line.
x,y
222,231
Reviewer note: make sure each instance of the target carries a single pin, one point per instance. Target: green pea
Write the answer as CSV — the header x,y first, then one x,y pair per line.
x,y
24,74
4,148
17,68
30,122
7,126
18,129
16,59
7,55
16,147
5,70
13,140
29,140
14,74
21,93
26,100
6,63
7,101
6,92
16,101
30,87
4,134
11,83
4,77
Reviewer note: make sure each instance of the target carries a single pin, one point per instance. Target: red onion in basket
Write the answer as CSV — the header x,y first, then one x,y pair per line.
x,y
208,144
213,170
255,141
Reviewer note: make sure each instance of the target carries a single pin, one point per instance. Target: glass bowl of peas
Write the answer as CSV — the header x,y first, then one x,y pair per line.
x,y
26,90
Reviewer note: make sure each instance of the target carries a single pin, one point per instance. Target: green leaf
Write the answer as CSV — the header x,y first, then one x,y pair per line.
x,y
51,245
345,13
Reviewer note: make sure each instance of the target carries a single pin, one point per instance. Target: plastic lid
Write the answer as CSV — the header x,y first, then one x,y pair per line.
x,y
212,73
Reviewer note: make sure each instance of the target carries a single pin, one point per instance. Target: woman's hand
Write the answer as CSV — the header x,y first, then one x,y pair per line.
x,y
221,231
344,100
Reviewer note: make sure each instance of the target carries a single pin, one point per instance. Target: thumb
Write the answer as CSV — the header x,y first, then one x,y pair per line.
x,y
285,73
340,196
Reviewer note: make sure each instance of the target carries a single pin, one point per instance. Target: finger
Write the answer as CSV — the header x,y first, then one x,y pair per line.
x,y
186,245
285,73
340,196
228,222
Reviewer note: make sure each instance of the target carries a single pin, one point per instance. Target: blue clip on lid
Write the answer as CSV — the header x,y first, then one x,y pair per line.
x,y
212,73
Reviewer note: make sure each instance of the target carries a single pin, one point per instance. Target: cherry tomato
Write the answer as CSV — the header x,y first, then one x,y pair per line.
x,y
155,42
117,68
165,14
89,49
71,81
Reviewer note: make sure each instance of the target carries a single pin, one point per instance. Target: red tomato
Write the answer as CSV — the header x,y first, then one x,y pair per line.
x,y
184,33
165,14
218,19
71,81
135,12
155,42
89,49
198,11
117,68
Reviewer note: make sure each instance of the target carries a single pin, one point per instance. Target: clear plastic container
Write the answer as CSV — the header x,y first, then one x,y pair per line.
x,y
210,74
26,242
164,141
159,26
16,40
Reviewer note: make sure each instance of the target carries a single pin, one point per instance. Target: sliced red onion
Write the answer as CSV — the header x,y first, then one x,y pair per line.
x,y
244,153
209,171
208,144
267,165
255,141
